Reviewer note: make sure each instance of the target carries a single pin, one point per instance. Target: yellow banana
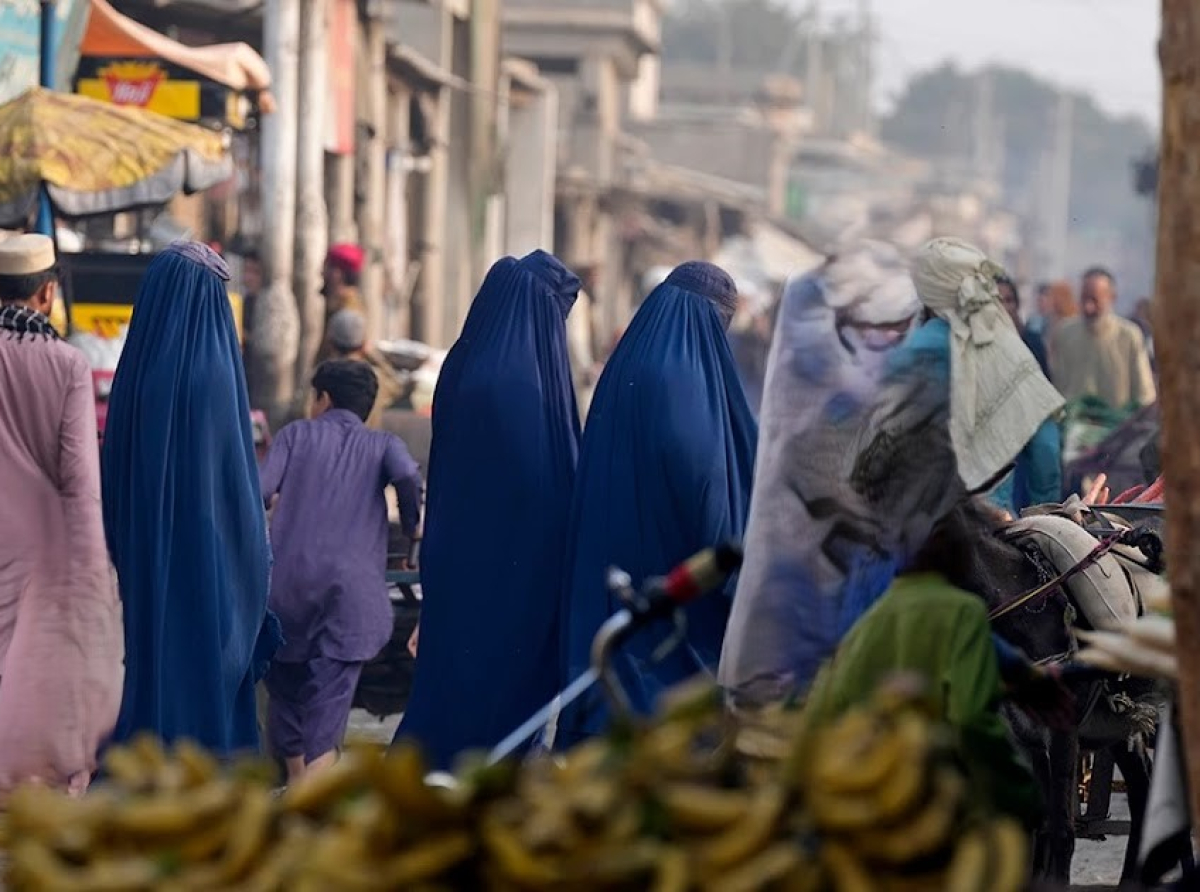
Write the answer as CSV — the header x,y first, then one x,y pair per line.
x,y
593,800
626,865
1010,846
695,700
35,867
426,861
582,760
148,748
206,842
846,873
127,875
249,833
171,815
314,793
901,790
340,859
625,823
199,767
768,867
126,767
37,812
855,758
748,836
673,874
807,876
969,867
514,861
279,865
926,833
401,776
700,807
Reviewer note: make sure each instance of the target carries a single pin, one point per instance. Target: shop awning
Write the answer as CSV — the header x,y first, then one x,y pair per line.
x,y
126,63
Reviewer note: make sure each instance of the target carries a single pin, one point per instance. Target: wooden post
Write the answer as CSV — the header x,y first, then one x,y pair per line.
x,y
312,220
1177,341
374,186
276,324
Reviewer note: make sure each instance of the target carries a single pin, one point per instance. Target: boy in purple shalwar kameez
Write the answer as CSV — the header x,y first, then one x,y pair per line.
x,y
329,534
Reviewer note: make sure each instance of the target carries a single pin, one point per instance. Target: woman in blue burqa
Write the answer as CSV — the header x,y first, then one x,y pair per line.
x,y
664,471
501,469
183,513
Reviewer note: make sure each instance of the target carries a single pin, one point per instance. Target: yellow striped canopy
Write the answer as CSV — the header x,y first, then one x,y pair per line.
x,y
97,158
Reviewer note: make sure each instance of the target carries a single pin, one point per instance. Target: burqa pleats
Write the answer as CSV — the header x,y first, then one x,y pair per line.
x,y
183,512
501,471
665,470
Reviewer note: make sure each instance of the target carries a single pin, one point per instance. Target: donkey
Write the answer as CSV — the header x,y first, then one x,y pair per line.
x,y
1112,714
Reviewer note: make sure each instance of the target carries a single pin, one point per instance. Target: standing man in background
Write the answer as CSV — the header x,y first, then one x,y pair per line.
x,y
343,271
1100,354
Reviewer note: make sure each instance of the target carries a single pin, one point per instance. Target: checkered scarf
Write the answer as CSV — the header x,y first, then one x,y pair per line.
x,y
17,321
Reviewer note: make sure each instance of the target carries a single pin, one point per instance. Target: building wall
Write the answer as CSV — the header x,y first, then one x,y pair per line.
x,y
731,149
531,168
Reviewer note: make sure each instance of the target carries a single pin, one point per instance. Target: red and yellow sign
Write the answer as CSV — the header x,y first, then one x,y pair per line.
x,y
144,85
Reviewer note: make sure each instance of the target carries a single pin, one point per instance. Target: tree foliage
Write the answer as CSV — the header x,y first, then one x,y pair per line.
x,y
934,115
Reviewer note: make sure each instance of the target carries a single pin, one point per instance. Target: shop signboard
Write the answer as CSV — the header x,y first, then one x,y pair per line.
x,y
158,86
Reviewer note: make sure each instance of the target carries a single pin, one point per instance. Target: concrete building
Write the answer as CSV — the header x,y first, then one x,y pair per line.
x,y
620,209
419,101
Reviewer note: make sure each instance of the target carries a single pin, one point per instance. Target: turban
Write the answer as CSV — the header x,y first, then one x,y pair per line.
x,y
998,394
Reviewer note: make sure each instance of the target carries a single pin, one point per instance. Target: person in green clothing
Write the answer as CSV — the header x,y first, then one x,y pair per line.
x,y
924,625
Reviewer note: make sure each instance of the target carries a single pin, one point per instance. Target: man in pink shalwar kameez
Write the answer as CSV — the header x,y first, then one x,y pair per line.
x,y
61,642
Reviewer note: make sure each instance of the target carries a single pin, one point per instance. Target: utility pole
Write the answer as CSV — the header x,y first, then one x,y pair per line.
x,y
866,49
1177,334
312,218
984,149
724,52
276,324
814,77
1059,211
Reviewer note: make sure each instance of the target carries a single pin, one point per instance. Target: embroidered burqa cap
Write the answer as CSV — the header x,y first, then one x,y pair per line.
x,y
998,394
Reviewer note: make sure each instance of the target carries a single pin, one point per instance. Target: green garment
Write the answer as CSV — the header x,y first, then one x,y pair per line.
x,y
924,625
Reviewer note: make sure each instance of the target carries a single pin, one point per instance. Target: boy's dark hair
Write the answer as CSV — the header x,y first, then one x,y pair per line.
x,y
18,289
351,385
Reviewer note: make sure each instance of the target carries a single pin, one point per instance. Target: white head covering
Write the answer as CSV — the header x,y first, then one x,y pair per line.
x,y
998,394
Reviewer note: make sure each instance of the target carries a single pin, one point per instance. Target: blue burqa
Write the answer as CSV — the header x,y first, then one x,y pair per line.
x,y
501,469
664,471
183,513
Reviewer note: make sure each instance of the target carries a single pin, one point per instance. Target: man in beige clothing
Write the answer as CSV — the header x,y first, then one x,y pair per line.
x,y
1099,353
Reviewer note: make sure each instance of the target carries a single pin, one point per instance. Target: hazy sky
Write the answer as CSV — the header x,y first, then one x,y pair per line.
x,y
1107,47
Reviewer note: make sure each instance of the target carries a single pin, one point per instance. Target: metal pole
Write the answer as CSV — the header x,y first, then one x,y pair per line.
x,y
46,62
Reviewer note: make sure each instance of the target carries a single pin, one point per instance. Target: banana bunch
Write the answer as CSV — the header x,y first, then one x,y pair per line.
x,y
175,822
889,803
693,802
